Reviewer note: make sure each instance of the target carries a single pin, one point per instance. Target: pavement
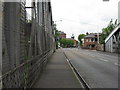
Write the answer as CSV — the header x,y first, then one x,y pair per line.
x,y
57,74
98,69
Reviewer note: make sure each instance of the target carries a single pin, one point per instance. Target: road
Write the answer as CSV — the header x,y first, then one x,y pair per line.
x,y
99,69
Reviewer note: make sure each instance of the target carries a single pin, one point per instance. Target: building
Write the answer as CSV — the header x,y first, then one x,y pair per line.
x,y
113,40
75,43
62,35
91,41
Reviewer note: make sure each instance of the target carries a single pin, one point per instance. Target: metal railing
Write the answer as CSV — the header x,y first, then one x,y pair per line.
x,y
26,45
23,76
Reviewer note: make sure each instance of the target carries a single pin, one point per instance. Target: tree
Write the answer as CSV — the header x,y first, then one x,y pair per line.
x,y
56,34
66,43
76,42
106,31
80,37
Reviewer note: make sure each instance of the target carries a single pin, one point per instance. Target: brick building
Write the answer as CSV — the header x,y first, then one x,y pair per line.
x,y
91,41
62,35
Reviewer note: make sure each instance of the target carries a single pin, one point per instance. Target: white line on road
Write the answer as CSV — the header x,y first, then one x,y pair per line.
x,y
103,60
107,55
117,64
92,56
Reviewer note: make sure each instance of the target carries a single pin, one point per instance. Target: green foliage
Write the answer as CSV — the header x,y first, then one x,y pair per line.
x,y
55,30
66,43
80,37
102,38
56,45
106,31
56,34
76,42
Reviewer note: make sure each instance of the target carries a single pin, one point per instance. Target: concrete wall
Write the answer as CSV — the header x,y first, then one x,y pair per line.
x,y
100,47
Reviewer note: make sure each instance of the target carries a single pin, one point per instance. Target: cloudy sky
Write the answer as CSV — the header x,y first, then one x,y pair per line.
x,y
81,16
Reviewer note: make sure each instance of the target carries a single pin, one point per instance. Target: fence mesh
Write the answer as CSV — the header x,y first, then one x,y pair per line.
x,y
26,45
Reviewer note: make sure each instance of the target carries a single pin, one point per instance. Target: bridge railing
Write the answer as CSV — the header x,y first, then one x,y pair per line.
x,y
25,52
25,75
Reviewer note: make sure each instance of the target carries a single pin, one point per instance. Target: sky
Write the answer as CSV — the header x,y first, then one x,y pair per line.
x,y
81,16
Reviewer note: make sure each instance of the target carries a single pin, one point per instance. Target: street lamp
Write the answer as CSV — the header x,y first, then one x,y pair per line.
x,y
58,21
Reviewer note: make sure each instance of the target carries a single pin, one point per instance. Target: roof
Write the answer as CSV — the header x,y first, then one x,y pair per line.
x,y
116,29
90,35
62,33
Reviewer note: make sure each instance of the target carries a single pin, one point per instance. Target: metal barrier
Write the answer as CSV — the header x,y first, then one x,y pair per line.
x,y
24,75
26,45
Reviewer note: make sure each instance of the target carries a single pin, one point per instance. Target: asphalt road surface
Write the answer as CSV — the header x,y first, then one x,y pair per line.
x,y
99,69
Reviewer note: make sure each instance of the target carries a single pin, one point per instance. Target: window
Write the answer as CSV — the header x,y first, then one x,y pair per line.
x,y
93,46
86,40
92,39
96,39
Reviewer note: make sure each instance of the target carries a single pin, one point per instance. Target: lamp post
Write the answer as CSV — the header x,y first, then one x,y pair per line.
x,y
58,21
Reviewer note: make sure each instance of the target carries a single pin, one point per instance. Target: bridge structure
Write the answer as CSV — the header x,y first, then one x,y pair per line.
x,y
112,42
26,44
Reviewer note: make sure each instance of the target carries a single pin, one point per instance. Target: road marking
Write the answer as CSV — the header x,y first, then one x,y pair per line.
x,y
92,56
117,64
103,60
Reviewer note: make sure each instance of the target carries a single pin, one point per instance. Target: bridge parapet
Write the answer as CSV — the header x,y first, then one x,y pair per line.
x,y
25,51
